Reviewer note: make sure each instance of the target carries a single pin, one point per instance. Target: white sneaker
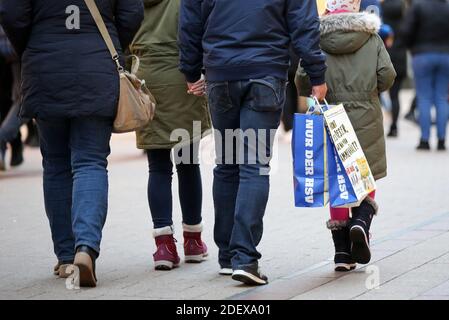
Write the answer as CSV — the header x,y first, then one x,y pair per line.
x,y
226,272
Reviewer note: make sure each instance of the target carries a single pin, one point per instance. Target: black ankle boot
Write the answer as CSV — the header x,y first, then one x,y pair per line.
x,y
393,132
16,153
340,235
441,145
2,158
360,225
423,145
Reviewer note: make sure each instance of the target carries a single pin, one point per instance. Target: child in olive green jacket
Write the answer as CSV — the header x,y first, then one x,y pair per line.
x,y
359,69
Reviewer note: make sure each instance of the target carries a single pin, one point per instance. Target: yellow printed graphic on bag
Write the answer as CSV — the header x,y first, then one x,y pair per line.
x,y
362,163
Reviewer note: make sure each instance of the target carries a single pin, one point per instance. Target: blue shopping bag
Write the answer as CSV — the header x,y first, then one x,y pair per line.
x,y
309,147
341,192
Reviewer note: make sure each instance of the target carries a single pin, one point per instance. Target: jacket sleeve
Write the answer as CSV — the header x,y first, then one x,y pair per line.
x,y
409,26
386,74
304,28
6,49
16,19
190,39
128,18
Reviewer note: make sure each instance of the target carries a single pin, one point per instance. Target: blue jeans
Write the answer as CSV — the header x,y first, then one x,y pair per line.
x,y
432,86
10,127
241,181
160,196
75,163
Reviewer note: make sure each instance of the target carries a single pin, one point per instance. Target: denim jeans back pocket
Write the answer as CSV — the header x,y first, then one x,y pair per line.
x,y
267,94
218,96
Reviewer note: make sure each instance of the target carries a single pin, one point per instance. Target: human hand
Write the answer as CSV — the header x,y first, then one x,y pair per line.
x,y
198,88
320,91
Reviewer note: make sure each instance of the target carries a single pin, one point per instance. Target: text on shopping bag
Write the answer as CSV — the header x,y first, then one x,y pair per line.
x,y
350,151
309,145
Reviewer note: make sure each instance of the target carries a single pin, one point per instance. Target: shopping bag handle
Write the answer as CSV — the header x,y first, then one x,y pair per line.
x,y
319,105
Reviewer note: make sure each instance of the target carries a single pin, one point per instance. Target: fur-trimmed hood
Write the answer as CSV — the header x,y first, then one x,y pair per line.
x,y
345,33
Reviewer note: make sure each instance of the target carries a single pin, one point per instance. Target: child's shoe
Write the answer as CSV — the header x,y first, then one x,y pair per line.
x,y
340,235
360,225
166,256
195,250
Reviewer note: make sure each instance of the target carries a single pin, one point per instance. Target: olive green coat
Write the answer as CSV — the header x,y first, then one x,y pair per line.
x,y
156,46
359,68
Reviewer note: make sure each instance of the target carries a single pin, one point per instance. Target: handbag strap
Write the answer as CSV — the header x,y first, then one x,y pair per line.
x,y
93,9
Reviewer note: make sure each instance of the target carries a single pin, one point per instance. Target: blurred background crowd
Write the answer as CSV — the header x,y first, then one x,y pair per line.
x,y
412,34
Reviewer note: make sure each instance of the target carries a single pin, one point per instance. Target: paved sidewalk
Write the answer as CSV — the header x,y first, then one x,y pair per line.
x,y
410,236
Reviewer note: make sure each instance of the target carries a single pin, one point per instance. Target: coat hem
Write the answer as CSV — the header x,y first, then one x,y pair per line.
x,y
380,176
171,145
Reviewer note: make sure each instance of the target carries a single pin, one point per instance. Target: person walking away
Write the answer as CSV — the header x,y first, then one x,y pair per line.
x,y
359,68
425,31
244,48
10,100
393,15
70,85
156,46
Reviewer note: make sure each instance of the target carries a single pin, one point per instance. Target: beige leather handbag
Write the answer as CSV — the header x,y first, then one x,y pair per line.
x,y
136,106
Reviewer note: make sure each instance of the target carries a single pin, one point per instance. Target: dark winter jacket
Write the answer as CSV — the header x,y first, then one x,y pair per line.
x,y
426,26
6,50
249,39
359,69
393,15
68,72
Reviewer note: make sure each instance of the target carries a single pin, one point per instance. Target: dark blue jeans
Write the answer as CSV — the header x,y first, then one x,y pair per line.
x,y
432,89
160,196
10,127
75,163
241,177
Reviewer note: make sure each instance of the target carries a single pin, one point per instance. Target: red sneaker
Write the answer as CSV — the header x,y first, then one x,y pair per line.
x,y
195,250
166,257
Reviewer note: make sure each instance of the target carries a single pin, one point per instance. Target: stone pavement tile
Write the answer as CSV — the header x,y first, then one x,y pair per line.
x,y
392,245
420,234
441,290
411,284
442,225
444,259
283,289
354,284
412,257
342,288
